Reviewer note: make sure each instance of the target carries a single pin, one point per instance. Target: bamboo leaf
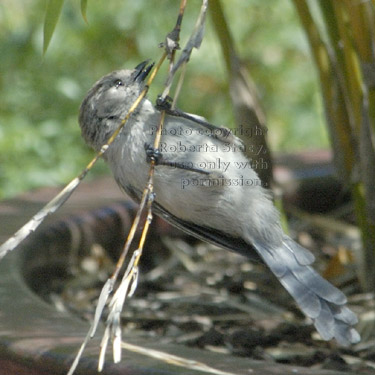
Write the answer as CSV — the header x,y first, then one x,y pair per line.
x,y
50,20
360,28
346,66
333,96
84,9
246,105
334,43
353,71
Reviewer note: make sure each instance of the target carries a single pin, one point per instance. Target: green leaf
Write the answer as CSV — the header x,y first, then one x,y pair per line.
x,y
83,9
51,17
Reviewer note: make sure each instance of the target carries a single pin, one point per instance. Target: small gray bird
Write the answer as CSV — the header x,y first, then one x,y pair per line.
x,y
204,185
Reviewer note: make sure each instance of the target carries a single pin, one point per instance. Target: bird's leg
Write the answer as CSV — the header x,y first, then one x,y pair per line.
x,y
154,154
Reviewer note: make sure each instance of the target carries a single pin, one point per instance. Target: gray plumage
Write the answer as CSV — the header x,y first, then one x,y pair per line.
x,y
205,186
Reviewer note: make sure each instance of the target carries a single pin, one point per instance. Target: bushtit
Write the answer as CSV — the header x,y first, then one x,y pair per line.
x,y
204,185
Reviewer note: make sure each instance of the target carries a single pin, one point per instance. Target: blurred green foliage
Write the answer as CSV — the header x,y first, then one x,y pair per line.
x,y
40,141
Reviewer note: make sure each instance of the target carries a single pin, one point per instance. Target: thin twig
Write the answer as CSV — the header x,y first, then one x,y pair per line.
x,y
55,203
194,41
129,281
108,286
173,37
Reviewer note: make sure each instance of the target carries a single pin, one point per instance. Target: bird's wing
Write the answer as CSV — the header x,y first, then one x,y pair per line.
x,y
203,233
208,234
221,133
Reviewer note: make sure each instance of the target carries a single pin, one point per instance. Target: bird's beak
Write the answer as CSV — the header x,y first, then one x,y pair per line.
x,y
142,71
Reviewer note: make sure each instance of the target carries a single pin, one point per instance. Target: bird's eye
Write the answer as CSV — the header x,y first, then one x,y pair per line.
x,y
117,83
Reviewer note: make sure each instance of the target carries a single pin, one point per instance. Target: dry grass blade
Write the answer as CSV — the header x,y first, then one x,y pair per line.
x,y
38,218
104,294
174,360
79,354
127,285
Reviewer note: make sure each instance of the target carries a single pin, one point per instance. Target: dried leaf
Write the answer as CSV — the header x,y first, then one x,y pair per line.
x,y
104,294
194,41
103,349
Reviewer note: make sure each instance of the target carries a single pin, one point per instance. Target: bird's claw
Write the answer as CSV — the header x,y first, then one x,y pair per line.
x,y
164,104
153,154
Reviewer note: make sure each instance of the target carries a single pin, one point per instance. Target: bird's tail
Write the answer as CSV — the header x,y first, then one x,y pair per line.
x,y
317,298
